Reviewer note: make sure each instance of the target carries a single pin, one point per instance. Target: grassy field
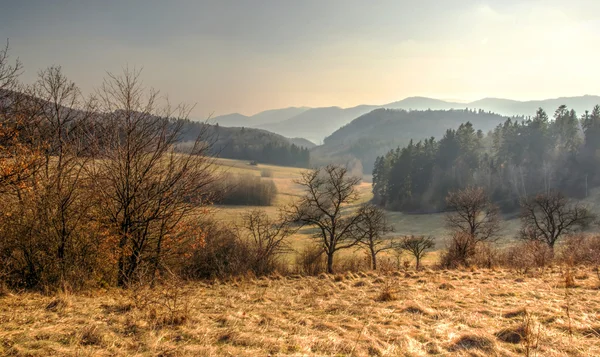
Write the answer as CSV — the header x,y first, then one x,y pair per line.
x,y
417,224
487,312
426,313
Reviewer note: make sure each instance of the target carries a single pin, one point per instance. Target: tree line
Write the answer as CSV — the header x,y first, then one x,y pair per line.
x,y
247,144
517,159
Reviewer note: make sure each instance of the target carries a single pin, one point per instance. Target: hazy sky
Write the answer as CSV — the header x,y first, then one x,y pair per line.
x,y
248,56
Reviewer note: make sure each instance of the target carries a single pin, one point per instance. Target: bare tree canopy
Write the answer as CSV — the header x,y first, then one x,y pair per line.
x,y
472,213
145,185
417,246
371,230
267,238
328,192
547,217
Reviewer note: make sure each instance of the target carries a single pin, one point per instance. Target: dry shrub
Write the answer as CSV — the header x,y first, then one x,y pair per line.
x,y
460,250
264,172
352,263
92,335
387,292
580,249
59,303
165,304
527,255
485,255
387,264
223,255
246,190
531,334
310,260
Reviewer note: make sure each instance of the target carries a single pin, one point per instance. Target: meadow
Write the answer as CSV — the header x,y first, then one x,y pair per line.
x,y
396,311
553,312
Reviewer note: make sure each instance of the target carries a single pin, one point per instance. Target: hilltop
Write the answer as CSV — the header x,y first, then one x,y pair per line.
x,y
315,124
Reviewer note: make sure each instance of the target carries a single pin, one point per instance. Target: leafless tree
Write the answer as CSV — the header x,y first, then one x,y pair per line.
x,y
267,238
472,219
329,191
417,246
9,71
472,212
548,217
148,190
61,198
371,231
18,159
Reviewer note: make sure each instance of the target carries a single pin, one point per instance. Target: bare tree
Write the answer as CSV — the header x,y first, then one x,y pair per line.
x,y
61,197
329,191
548,217
371,231
18,159
266,238
9,73
147,189
472,219
417,246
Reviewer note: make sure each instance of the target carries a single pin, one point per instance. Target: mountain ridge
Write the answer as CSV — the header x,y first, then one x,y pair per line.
x,y
315,124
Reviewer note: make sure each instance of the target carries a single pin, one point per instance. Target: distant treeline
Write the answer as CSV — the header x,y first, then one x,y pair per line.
x,y
248,144
516,159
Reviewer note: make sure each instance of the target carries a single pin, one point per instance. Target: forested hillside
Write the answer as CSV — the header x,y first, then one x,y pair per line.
x,y
517,159
374,133
248,144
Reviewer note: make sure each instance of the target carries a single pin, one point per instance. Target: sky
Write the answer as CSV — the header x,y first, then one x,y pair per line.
x,y
246,56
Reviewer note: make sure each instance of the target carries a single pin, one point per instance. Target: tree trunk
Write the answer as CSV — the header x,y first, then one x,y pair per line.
x,y
418,264
374,260
330,262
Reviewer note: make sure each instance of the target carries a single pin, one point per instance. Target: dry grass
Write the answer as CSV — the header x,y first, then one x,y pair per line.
x,y
486,313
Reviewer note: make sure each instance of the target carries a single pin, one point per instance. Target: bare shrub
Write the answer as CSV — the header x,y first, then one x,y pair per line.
x,y
580,249
266,240
387,292
353,263
417,246
460,249
222,254
486,255
526,256
245,190
371,230
264,172
310,260
166,304
472,219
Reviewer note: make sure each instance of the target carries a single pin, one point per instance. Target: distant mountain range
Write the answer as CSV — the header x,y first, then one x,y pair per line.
x,y
315,124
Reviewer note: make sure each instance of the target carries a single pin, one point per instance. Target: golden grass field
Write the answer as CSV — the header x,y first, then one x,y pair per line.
x,y
426,313
417,224
402,313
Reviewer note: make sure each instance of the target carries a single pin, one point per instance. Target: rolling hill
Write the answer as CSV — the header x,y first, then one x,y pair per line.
x,y
268,116
380,130
315,124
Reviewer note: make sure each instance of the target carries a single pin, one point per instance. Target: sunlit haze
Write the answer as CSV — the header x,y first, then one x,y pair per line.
x,y
249,56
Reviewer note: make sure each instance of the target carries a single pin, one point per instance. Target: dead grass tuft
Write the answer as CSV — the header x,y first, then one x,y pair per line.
x,y
512,335
515,313
446,286
471,342
59,304
92,335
